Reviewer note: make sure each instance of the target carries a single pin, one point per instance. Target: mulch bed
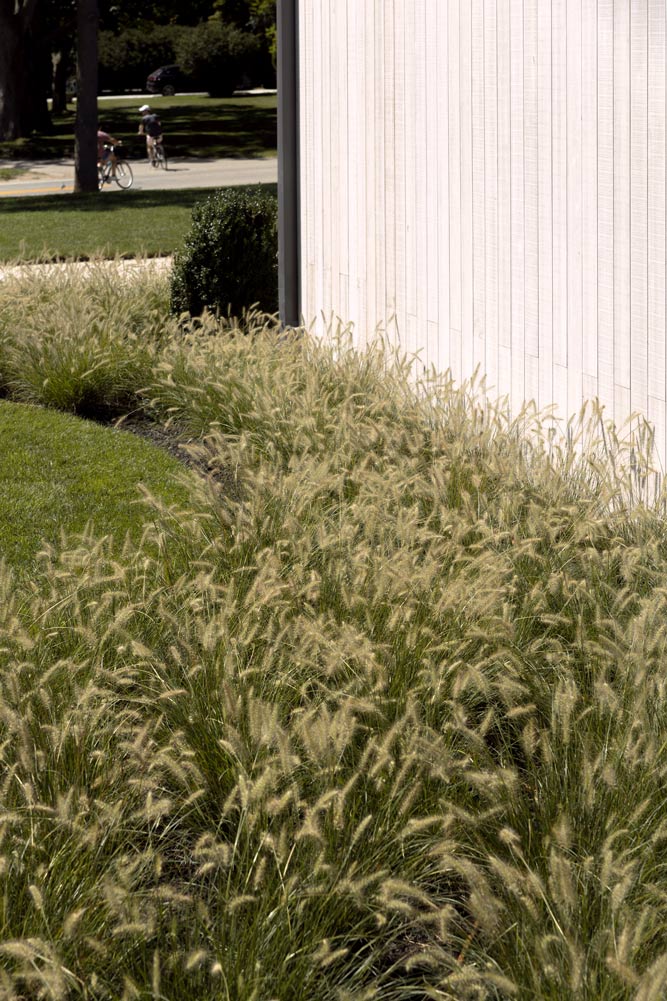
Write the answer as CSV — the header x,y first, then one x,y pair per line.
x,y
173,440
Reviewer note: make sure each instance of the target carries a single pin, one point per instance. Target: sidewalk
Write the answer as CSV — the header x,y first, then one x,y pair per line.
x,y
45,169
57,176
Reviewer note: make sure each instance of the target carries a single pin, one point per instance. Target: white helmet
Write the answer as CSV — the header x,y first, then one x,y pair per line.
x,y
145,107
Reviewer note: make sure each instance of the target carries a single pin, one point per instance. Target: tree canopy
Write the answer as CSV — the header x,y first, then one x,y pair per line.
x,y
117,15
18,29
258,16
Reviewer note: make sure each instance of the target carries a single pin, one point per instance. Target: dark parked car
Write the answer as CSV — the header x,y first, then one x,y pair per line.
x,y
166,80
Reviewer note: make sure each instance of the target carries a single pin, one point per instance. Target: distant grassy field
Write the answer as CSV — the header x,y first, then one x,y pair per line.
x,y
122,223
194,126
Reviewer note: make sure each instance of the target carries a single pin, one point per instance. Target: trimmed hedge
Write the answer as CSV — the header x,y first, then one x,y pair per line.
x,y
229,261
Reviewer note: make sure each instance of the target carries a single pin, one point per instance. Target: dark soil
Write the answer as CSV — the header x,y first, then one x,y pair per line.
x,y
184,448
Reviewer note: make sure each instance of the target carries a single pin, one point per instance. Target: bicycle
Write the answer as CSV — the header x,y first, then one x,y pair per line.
x,y
114,169
159,157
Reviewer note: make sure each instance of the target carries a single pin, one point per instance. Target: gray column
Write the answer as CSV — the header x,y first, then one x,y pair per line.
x,y
288,162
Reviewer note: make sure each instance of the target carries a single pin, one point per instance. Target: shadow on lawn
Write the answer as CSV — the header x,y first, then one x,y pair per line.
x,y
100,202
236,128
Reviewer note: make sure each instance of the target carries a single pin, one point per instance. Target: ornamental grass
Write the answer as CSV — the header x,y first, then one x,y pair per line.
x,y
381,715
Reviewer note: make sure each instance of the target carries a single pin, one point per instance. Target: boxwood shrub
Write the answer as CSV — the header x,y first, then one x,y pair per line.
x,y
229,260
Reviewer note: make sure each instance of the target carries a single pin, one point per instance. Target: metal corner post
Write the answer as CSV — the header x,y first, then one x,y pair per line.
x,y
288,163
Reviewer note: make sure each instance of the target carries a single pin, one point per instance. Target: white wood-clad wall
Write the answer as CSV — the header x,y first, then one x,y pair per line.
x,y
484,180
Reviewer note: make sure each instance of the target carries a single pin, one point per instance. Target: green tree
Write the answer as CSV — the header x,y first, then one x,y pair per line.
x,y
31,33
57,19
119,15
219,57
258,16
17,57
263,21
263,12
233,12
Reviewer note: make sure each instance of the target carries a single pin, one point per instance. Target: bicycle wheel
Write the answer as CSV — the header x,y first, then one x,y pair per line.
x,y
161,156
123,177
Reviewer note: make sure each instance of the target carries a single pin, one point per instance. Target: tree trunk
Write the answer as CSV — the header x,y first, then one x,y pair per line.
x,y
85,150
16,87
60,74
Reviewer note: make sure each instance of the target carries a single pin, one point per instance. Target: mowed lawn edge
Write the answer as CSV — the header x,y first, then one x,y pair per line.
x,y
63,474
83,226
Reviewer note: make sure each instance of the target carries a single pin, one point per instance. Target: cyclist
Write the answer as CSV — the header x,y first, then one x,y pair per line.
x,y
104,151
151,127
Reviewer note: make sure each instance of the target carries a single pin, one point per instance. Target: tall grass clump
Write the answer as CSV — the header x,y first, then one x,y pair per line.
x,y
85,340
381,715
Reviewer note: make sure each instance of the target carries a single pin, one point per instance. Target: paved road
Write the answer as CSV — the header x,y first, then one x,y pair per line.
x,y
57,176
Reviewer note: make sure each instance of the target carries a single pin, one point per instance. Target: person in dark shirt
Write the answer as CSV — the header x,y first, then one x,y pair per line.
x,y
151,127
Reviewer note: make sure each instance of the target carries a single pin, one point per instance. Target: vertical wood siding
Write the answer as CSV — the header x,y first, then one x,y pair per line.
x,y
484,181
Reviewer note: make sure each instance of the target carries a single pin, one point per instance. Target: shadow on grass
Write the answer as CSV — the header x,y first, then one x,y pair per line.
x,y
232,129
235,128
101,202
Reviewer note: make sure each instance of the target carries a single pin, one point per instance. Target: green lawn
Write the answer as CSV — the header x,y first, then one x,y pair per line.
x,y
124,223
59,473
10,173
193,126
128,223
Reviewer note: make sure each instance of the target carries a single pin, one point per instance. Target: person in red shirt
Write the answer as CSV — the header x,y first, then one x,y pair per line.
x,y
104,142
